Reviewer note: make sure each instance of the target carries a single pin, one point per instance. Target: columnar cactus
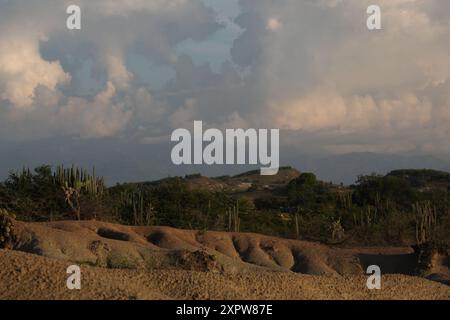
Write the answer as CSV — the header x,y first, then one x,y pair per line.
x,y
139,204
426,221
6,229
74,177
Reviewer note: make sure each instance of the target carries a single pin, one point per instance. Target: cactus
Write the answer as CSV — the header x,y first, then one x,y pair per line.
x,y
72,196
77,178
73,177
140,206
371,213
233,218
7,236
297,229
426,219
75,181
365,217
345,200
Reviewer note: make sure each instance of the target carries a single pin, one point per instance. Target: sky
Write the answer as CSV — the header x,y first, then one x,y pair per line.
x,y
111,93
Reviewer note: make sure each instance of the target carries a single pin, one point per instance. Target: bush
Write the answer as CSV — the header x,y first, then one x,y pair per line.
x,y
7,236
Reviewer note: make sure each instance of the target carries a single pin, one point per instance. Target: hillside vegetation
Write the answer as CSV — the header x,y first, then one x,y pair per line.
x,y
402,207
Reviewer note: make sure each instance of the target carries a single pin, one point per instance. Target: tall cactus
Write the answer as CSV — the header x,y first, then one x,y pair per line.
x,y
426,219
345,200
74,176
139,205
234,222
297,226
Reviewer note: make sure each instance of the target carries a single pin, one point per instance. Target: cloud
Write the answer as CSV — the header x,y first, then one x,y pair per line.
x,y
41,62
309,67
183,117
273,24
323,74
22,70
330,111
99,118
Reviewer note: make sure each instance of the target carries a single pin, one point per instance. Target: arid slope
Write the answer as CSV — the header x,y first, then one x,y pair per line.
x,y
121,262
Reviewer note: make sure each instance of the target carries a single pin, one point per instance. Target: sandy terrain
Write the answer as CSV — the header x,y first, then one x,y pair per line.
x,y
120,262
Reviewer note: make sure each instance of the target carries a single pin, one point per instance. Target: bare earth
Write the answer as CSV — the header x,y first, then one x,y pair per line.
x,y
120,262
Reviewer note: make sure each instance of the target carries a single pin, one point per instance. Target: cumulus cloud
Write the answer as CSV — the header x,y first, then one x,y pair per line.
x,y
310,67
99,118
324,73
39,58
22,70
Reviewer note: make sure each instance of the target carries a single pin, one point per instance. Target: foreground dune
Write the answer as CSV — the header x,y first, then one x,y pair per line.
x,y
120,262
25,276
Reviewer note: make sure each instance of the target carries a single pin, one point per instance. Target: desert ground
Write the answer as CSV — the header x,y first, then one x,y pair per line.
x,y
122,262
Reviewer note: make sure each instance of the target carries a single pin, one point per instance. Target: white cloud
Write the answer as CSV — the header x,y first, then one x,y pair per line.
x,y
22,70
39,57
325,73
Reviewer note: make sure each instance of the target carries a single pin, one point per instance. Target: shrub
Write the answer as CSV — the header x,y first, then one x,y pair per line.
x,y
7,236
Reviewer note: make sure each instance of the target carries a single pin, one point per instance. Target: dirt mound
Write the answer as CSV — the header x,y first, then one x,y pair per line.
x,y
234,259
103,244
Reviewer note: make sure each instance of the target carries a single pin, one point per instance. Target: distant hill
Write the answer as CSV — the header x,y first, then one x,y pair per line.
x,y
346,168
284,175
238,183
253,181
424,178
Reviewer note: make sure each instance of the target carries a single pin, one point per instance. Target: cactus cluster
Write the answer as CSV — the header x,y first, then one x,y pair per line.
x,y
140,205
426,220
24,175
73,177
6,228
79,179
345,200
